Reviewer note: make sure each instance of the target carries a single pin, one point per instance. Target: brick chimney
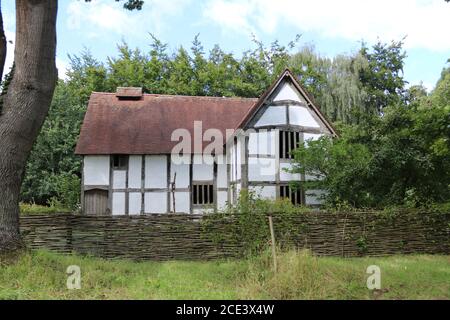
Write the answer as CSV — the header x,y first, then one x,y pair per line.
x,y
131,93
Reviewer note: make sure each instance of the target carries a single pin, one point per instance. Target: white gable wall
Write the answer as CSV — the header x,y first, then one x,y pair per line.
x,y
274,115
288,92
287,111
301,116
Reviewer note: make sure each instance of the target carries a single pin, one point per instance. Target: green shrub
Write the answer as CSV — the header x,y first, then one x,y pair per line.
x,y
32,208
246,221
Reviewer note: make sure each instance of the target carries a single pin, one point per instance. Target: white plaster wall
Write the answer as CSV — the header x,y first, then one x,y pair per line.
x,y
311,136
202,169
119,179
182,202
312,197
155,171
232,164
96,170
288,92
301,116
286,176
261,169
182,171
262,142
238,158
274,115
266,143
264,192
118,203
134,171
155,202
134,203
202,211
253,143
222,181
222,198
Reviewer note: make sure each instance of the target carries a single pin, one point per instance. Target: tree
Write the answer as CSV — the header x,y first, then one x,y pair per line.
x,y
26,103
52,166
383,79
334,83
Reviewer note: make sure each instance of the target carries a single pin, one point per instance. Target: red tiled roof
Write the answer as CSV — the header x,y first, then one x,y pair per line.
x,y
117,126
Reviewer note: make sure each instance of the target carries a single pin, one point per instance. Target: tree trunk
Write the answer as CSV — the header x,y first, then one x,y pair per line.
x,y
25,106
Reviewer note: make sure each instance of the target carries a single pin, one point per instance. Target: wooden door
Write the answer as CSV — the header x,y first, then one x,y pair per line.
x,y
96,202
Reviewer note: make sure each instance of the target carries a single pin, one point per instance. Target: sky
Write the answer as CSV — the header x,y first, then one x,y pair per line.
x,y
332,27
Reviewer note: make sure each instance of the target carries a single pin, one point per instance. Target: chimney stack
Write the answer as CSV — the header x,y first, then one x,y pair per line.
x,y
131,93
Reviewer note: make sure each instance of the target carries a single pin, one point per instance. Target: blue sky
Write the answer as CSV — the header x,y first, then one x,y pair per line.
x,y
333,27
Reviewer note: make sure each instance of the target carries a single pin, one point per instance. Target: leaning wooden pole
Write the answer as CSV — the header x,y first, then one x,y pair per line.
x,y
274,252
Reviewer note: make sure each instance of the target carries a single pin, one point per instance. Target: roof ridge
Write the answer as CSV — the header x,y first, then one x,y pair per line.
x,y
179,96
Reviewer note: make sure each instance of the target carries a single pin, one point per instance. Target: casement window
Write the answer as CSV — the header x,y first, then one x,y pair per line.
x,y
295,195
203,194
120,162
288,141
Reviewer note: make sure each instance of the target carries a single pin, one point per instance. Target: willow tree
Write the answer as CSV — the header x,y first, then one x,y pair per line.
x,y
334,83
26,103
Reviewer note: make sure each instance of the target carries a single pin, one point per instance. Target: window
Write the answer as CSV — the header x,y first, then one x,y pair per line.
x,y
288,141
294,195
120,162
203,194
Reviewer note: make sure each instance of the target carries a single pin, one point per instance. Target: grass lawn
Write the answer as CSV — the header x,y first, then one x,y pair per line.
x,y
42,275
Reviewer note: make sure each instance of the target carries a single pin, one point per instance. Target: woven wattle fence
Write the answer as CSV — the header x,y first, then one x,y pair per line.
x,y
366,233
183,236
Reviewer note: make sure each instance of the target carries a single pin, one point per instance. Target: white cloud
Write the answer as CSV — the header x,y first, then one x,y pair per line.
x,y
8,22
424,22
62,67
103,16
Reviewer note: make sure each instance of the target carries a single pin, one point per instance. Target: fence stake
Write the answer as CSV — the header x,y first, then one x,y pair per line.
x,y
272,235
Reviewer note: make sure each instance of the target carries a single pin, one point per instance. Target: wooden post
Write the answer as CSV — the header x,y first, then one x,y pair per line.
x,y
272,235
173,191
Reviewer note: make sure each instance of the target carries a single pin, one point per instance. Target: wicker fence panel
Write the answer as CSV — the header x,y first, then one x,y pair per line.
x,y
183,236
365,233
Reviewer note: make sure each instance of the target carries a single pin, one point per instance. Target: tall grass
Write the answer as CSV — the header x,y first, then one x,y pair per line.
x,y
300,275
